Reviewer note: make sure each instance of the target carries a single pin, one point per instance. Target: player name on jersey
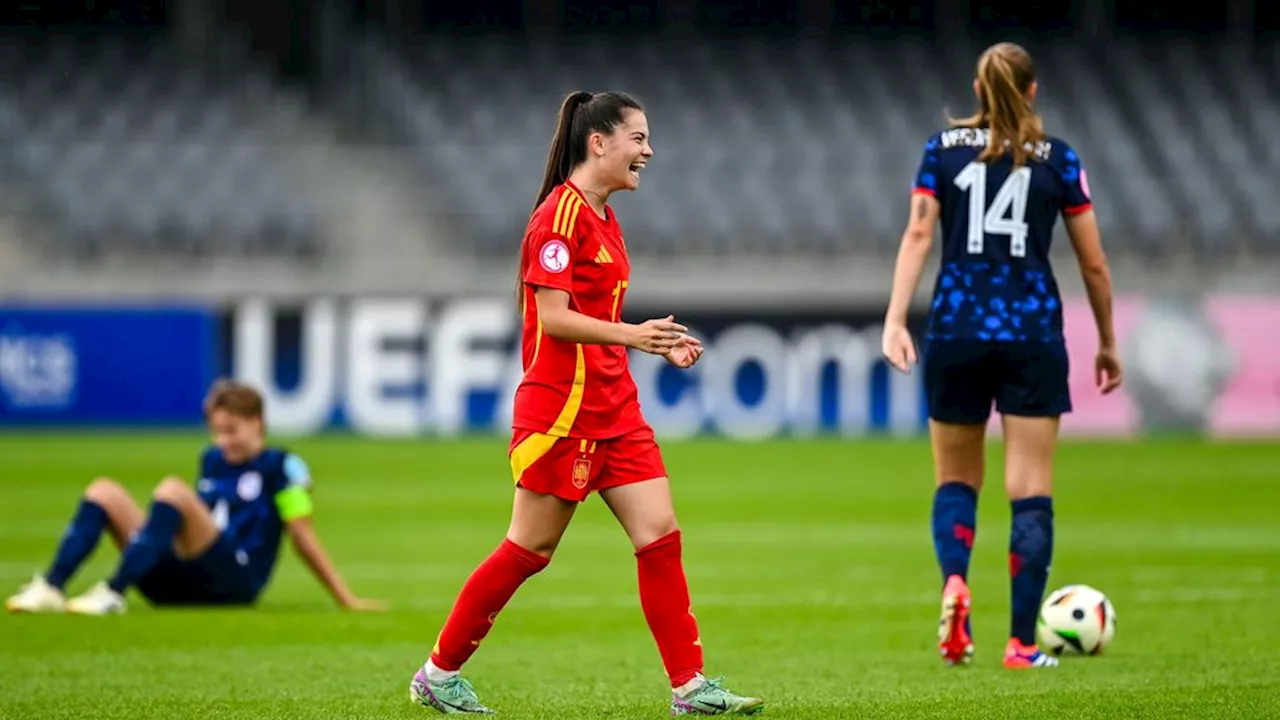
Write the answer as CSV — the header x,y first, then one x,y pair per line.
x,y
979,137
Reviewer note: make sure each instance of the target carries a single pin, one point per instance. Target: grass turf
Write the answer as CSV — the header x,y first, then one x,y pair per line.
x,y
810,564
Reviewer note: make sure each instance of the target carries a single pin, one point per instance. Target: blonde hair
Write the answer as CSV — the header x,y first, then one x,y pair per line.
x,y
1005,74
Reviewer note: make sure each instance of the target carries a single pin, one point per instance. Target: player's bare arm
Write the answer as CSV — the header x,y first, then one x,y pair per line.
x,y
561,322
1086,240
917,241
307,543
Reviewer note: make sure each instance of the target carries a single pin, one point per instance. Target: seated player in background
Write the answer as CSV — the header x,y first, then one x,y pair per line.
x,y
998,184
214,545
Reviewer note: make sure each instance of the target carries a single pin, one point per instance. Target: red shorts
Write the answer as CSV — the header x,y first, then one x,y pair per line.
x,y
572,468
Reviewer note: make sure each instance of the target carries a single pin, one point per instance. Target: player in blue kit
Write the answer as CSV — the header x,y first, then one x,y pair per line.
x,y
214,545
994,334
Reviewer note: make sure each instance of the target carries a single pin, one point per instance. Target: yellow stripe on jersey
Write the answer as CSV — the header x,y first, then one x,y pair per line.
x,y
565,199
571,213
573,404
567,215
528,452
608,257
537,343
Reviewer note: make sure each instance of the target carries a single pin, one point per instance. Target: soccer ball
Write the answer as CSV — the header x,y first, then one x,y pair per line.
x,y
1076,619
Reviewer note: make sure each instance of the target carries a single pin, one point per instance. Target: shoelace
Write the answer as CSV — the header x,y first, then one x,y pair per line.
x,y
712,684
457,681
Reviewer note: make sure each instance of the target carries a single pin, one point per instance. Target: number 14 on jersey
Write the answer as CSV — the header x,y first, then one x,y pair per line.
x,y
1008,211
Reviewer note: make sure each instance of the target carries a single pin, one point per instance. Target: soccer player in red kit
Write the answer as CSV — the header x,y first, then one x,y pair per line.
x,y
578,426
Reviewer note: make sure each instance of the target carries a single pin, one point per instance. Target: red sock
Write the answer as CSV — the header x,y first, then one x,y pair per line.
x,y
664,596
485,593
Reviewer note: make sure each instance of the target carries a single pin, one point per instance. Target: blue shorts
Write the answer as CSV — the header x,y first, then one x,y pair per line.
x,y
221,576
962,378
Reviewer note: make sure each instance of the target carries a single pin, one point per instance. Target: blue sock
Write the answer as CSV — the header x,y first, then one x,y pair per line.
x,y
955,519
1030,552
153,543
78,542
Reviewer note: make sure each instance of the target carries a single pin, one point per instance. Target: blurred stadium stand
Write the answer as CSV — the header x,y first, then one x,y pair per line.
x,y
402,155
130,149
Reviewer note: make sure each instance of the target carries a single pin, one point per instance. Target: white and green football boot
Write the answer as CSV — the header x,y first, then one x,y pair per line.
x,y
712,698
454,696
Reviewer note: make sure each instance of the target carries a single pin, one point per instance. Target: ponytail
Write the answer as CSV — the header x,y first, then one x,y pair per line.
x,y
560,160
559,165
581,114
1005,74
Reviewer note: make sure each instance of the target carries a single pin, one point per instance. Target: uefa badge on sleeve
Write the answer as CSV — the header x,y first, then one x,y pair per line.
x,y
554,256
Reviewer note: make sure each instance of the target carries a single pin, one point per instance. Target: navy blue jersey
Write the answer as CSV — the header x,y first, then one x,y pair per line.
x,y
245,501
995,282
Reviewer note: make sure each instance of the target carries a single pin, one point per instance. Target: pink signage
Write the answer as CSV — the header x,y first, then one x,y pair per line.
x,y
1210,365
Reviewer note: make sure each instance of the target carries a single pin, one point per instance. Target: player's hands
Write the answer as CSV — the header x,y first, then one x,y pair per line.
x,y
898,347
358,604
1107,372
686,352
658,336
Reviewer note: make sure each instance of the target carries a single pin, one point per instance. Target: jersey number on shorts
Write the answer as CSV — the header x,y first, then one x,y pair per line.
x,y
221,514
1008,211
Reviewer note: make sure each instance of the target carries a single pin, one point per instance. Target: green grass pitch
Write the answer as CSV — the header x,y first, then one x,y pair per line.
x,y
810,564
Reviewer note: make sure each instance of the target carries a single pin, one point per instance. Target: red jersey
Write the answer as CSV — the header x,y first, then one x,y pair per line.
x,y
574,389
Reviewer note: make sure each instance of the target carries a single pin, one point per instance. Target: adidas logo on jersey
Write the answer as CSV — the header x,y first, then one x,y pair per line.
x,y
603,256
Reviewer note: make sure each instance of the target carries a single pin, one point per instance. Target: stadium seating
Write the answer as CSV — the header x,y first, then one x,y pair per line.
x,y
766,147
138,150
804,146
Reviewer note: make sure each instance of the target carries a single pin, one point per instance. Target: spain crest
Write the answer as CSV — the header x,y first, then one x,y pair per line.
x,y
581,472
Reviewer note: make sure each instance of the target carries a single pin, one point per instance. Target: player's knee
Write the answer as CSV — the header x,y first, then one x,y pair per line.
x,y
172,490
1029,482
104,491
654,529
545,547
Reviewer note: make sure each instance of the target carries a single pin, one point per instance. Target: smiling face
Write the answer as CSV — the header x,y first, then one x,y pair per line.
x,y
622,155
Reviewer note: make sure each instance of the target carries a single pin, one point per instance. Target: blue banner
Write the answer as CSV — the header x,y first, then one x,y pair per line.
x,y
95,366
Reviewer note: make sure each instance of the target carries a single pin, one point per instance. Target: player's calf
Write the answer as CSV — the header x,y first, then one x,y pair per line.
x,y
104,506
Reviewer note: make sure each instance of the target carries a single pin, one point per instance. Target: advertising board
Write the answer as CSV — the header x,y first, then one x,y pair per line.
x,y
404,366
68,366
